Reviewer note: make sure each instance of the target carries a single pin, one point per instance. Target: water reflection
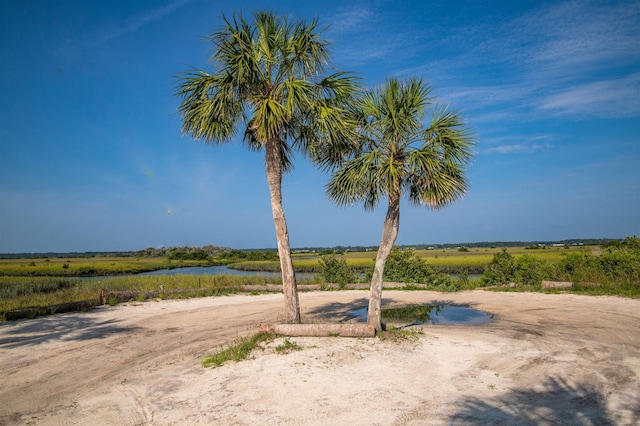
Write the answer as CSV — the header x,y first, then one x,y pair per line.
x,y
428,314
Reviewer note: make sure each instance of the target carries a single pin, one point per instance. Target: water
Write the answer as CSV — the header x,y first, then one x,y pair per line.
x,y
428,314
220,270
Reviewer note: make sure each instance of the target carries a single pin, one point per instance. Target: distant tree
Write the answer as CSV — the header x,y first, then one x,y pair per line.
x,y
270,76
395,154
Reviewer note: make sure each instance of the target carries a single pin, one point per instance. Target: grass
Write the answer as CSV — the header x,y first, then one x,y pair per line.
x,y
27,292
92,266
396,335
239,350
287,346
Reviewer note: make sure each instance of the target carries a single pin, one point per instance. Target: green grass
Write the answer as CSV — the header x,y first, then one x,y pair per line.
x,y
92,266
238,350
394,334
28,292
287,346
447,258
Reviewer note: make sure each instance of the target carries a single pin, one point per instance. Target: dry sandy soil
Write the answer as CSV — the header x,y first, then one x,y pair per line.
x,y
545,359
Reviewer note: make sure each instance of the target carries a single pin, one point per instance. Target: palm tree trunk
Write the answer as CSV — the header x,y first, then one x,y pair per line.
x,y
389,235
274,179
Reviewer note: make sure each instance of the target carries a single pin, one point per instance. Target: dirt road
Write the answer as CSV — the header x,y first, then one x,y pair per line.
x,y
546,359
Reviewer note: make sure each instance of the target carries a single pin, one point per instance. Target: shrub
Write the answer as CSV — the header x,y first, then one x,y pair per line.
x,y
334,269
531,270
404,266
501,270
188,254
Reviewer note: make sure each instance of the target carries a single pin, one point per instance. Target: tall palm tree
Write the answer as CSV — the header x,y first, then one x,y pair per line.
x,y
268,78
395,153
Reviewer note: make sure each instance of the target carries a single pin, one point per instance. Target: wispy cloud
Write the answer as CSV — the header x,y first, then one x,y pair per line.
x,y
361,34
517,149
607,98
555,60
351,20
518,145
134,23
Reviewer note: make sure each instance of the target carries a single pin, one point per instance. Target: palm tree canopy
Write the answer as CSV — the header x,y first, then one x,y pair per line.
x,y
395,152
268,75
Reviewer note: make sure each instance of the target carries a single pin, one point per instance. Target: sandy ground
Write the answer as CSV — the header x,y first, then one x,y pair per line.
x,y
546,359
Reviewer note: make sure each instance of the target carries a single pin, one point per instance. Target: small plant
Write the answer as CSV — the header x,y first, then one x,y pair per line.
x,y
287,346
394,334
112,300
239,350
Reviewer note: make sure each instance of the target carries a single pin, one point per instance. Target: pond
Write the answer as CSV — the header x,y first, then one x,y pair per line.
x,y
428,314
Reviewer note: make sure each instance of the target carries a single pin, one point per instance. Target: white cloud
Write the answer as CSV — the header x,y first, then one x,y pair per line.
x,y
555,60
351,20
606,98
529,144
517,149
131,25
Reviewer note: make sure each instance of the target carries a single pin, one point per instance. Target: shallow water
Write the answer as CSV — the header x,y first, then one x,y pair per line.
x,y
427,314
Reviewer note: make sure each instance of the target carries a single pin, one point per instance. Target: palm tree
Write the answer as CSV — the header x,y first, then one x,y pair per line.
x,y
268,77
396,153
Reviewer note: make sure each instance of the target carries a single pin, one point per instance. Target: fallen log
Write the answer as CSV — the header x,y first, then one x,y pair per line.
x,y
319,330
556,284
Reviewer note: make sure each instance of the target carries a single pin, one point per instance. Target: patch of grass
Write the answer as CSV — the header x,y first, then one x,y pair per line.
x,y
397,335
239,350
287,346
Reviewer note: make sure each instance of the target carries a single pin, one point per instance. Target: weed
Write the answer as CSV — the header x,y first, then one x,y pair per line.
x,y
239,350
112,300
287,346
394,334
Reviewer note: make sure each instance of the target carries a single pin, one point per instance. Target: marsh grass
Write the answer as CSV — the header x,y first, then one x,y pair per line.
x,y
238,350
30,292
91,266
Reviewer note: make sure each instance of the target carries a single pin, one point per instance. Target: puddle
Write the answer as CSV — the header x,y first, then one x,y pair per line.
x,y
427,314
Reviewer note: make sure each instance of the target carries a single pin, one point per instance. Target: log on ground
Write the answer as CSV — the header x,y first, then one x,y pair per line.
x,y
556,284
319,330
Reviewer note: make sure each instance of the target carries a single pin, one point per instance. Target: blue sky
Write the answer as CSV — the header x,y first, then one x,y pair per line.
x,y
92,156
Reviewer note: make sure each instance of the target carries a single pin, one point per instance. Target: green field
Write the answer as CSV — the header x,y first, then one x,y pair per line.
x,y
447,260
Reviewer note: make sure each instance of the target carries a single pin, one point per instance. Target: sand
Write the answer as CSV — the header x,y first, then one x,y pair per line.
x,y
545,359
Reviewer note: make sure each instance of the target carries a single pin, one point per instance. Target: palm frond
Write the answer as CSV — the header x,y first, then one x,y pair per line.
x,y
427,164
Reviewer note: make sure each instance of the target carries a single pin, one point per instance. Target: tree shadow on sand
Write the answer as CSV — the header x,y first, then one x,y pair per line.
x,y
556,402
78,326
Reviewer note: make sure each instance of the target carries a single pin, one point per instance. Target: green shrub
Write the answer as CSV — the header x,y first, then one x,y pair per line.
x,y
189,254
501,270
405,267
530,270
334,269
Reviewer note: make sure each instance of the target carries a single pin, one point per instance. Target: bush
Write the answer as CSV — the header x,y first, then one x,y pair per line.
x,y
501,270
335,270
188,254
531,271
405,267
